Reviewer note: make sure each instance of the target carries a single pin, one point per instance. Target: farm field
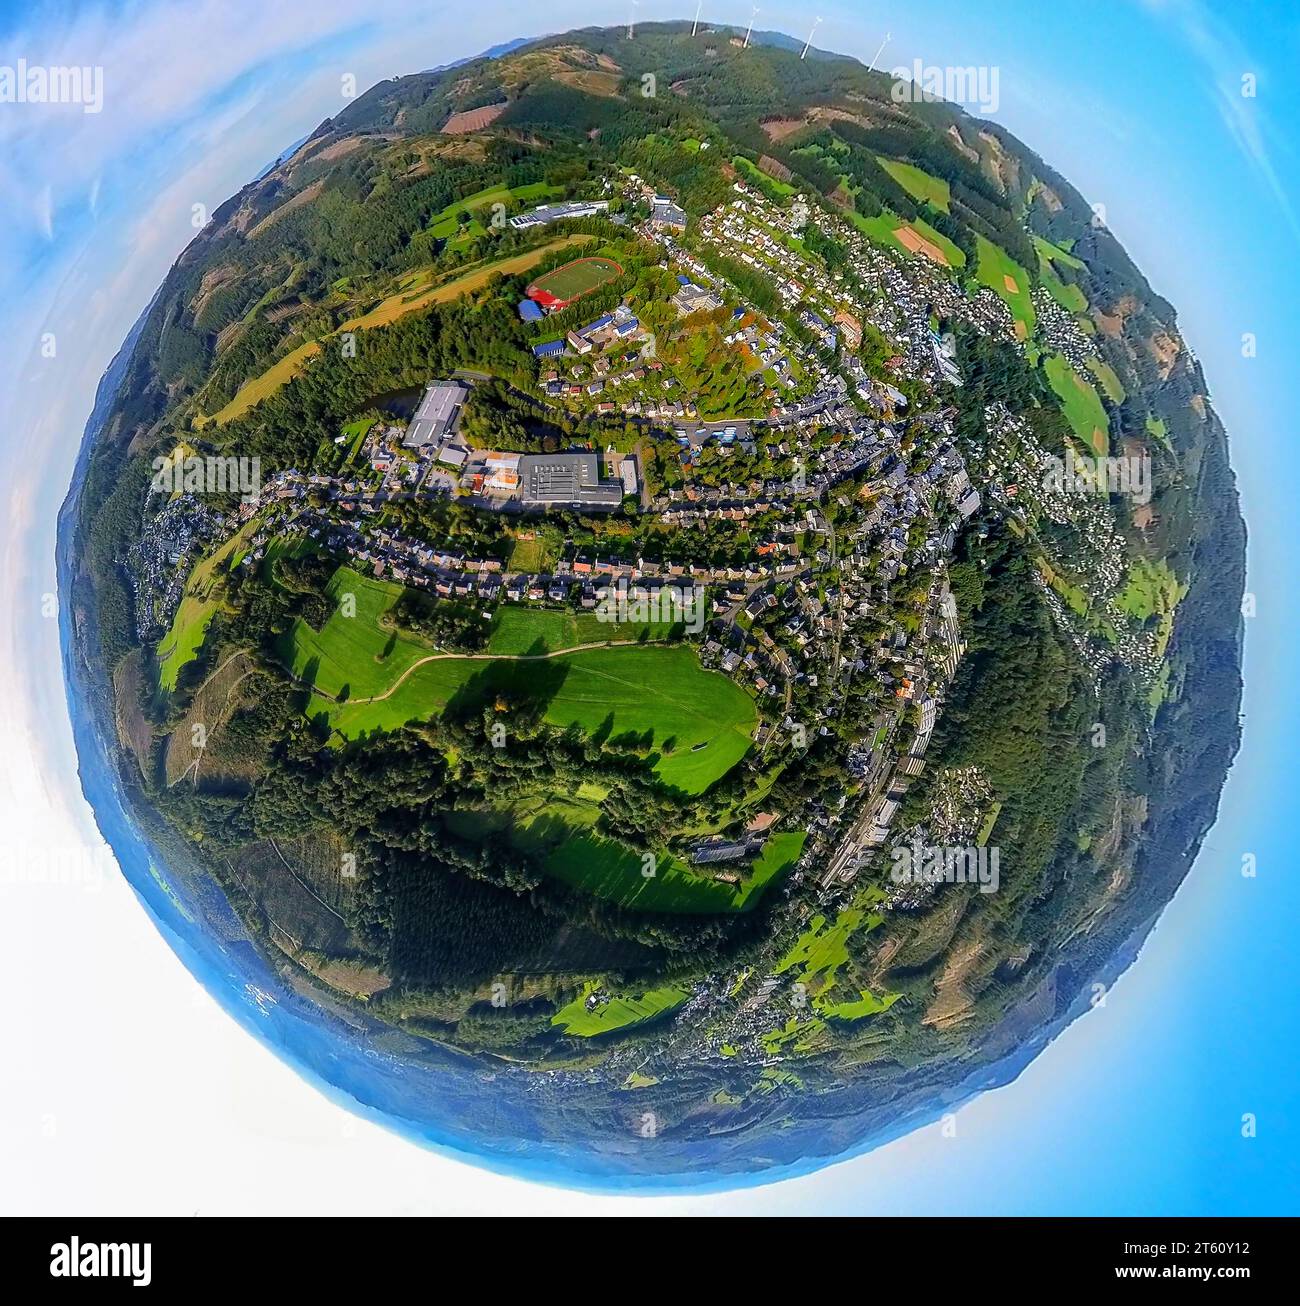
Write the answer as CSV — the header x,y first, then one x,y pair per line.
x,y
920,185
1007,279
570,281
1080,402
618,1013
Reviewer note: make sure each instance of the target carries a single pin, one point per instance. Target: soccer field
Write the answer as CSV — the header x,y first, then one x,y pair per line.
x,y
561,286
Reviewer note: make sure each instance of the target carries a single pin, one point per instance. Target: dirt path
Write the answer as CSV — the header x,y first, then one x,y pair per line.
x,y
468,657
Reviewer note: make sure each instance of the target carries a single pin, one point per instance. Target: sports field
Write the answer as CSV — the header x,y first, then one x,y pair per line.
x,y
570,281
1006,278
1080,402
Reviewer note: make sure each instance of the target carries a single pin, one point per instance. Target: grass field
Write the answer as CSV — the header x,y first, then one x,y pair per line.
x,y
822,951
918,184
644,698
1007,279
446,225
1158,428
1110,383
546,630
882,227
771,186
353,653
612,871
1069,296
408,300
1080,402
571,281
1152,589
620,1012
198,605
692,725
559,831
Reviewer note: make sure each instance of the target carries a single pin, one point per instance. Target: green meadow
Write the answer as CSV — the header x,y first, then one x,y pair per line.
x,y
1080,402
881,229
559,831
547,630
1066,294
198,605
822,951
690,724
446,225
621,1012
1007,279
920,185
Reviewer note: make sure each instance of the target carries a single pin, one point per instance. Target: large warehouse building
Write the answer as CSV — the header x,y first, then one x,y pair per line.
x,y
560,479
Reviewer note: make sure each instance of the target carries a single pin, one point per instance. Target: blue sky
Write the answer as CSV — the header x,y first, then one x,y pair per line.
x,y
1139,103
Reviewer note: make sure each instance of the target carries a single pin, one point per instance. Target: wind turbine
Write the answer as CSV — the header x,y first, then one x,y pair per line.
x,y
750,28
889,36
816,24
631,22
695,25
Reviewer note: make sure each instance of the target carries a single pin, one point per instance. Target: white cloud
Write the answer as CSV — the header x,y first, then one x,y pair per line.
x,y
1225,61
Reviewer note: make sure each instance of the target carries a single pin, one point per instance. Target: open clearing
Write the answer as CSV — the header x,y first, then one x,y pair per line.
x,y
888,228
1006,278
546,630
559,832
198,605
655,702
920,185
1069,296
1080,402
446,225
618,1012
